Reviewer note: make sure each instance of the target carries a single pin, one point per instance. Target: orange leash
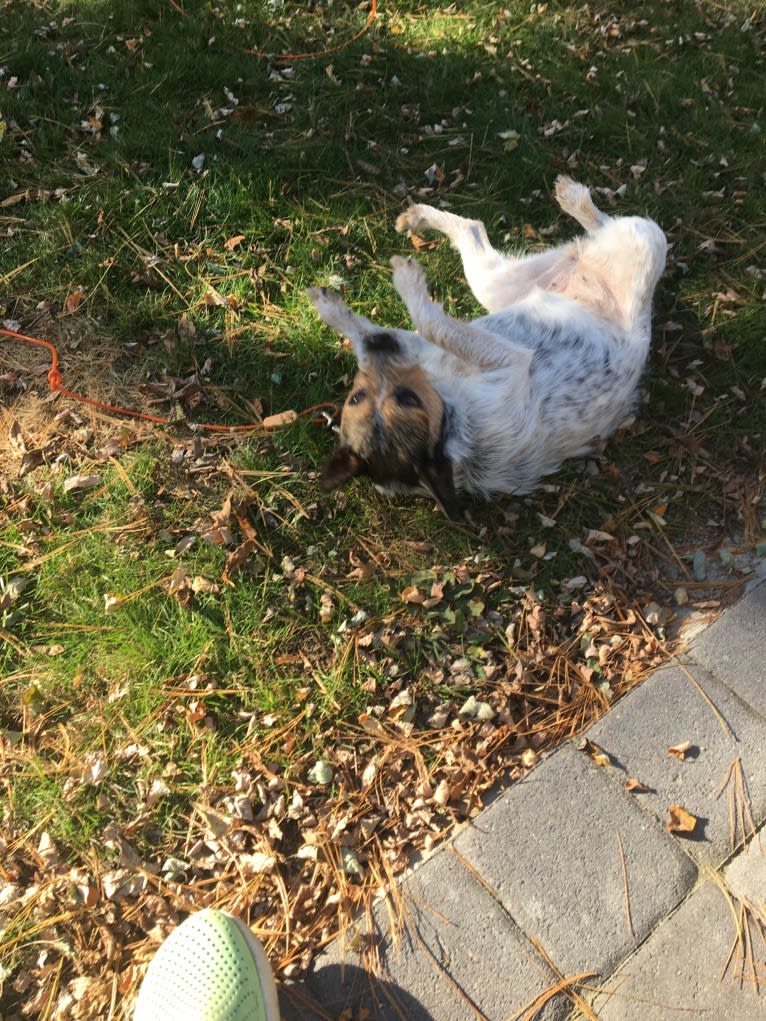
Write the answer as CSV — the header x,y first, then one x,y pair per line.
x,y
56,385
54,373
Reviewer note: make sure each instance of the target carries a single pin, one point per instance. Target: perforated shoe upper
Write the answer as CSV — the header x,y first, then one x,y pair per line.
x,y
211,968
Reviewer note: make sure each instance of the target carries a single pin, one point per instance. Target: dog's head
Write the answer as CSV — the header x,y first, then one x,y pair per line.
x,y
392,428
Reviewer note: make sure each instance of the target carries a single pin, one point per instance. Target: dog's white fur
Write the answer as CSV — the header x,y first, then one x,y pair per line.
x,y
551,371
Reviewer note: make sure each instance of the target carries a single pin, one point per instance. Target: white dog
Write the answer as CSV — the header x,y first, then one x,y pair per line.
x,y
490,406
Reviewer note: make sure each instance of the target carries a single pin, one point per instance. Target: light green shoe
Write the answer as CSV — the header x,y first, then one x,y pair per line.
x,y
211,968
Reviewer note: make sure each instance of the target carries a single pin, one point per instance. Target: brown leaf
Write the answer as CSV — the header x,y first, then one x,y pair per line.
x,y
214,298
73,300
528,758
236,560
681,821
233,241
420,244
412,594
634,786
681,751
77,483
596,753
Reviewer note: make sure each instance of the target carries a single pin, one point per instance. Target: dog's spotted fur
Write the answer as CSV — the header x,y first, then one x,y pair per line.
x,y
492,405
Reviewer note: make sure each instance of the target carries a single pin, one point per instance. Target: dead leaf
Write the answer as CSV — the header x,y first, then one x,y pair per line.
x,y
681,821
596,753
236,560
420,244
77,483
73,300
529,758
634,786
326,608
442,793
681,751
233,241
214,298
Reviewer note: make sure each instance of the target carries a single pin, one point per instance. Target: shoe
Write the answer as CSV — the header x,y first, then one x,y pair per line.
x,y
211,968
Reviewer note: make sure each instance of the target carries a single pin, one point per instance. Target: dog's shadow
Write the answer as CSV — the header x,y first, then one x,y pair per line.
x,y
347,991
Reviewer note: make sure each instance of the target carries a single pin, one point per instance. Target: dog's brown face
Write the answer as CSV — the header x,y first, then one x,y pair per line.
x,y
391,430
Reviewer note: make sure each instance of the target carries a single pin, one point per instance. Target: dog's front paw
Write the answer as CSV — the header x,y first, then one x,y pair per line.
x,y
409,278
329,305
413,218
323,299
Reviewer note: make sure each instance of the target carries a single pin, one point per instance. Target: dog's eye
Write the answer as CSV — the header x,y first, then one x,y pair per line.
x,y
407,398
357,396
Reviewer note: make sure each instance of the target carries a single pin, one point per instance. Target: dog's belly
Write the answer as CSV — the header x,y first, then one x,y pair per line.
x,y
582,385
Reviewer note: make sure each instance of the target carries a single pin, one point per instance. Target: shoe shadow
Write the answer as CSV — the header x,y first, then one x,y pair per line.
x,y
347,991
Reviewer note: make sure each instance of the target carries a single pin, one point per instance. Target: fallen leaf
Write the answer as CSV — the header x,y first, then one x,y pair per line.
x,y
634,786
473,709
528,758
681,751
76,483
73,300
351,864
214,298
442,793
326,608
421,244
237,559
681,821
233,241
596,753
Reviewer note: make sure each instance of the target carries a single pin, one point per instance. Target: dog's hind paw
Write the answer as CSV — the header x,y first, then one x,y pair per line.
x,y
570,194
413,218
575,199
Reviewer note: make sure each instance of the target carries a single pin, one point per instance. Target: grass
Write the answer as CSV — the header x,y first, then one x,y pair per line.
x,y
185,636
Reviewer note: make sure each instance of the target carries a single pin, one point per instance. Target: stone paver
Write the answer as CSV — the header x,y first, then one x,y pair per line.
x,y
458,950
734,648
680,969
549,848
746,875
667,710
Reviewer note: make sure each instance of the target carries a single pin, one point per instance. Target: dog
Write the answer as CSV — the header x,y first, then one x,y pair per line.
x,y
490,406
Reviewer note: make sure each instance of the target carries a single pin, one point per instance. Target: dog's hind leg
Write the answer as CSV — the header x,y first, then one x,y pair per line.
x,y
484,266
471,343
575,199
497,280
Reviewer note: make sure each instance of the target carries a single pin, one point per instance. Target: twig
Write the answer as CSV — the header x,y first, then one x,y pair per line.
x,y
625,880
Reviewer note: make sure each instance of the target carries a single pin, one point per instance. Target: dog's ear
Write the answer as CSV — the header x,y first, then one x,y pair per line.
x,y
435,476
343,465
